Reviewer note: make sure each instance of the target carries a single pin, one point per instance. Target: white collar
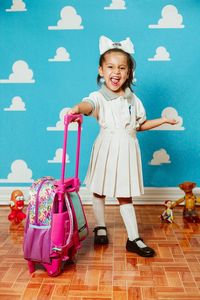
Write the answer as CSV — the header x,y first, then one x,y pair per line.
x,y
109,95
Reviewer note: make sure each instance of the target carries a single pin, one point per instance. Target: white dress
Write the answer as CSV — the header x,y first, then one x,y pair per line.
x,y
115,168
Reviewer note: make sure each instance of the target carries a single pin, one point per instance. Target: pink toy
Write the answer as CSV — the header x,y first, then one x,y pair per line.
x,y
56,222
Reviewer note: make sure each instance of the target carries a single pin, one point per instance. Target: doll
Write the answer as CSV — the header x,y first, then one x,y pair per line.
x,y
167,215
189,213
16,206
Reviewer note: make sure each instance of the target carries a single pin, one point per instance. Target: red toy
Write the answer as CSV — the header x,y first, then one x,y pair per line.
x,y
16,206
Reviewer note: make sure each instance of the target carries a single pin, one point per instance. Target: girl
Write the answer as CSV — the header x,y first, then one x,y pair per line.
x,y
115,164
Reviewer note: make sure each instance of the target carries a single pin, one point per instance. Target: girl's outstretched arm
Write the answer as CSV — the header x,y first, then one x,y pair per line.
x,y
81,108
149,124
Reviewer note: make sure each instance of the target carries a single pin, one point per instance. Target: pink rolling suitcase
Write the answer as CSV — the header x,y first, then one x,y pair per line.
x,y
56,222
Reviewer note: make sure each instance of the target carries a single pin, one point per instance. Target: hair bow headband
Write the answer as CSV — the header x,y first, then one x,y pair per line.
x,y
106,44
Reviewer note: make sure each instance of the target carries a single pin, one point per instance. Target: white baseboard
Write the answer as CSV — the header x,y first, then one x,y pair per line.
x,y
151,195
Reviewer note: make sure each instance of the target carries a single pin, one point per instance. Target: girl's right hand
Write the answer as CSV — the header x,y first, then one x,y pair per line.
x,y
74,110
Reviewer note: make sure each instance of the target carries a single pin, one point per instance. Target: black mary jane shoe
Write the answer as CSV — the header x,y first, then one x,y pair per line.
x,y
100,239
132,246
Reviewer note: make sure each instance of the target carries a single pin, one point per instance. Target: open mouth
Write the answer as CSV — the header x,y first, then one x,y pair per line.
x,y
115,81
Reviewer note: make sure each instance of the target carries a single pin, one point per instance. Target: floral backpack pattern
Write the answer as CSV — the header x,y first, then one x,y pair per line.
x,y
40,210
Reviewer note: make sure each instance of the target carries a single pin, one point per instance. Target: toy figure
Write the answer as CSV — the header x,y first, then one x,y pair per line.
x,y
189,213
167,215
16,206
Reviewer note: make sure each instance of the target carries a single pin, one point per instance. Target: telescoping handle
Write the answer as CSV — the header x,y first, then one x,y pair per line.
x,y
67,120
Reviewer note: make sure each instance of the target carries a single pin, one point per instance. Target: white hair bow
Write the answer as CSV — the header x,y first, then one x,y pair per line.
x,y
106,44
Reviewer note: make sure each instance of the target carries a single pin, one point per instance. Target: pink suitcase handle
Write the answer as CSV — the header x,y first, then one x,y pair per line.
x,y
73,118
67,120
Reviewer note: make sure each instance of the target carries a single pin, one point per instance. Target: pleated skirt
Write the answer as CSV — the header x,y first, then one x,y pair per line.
x,y
115,168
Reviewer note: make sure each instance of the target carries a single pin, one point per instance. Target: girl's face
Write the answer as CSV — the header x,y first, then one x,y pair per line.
x,y
115,71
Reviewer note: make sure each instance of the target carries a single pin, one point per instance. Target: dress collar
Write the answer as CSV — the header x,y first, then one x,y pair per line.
x,y
109,95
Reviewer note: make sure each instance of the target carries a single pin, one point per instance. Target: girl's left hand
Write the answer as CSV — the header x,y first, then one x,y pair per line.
x,y
170,121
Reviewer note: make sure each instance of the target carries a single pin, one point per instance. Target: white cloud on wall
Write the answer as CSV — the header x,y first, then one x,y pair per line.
x,y
116,4
161,55
160,157
17,5
19,173
58,157
69,20
73,126
21,73
171,113
16,105
61,55
170,18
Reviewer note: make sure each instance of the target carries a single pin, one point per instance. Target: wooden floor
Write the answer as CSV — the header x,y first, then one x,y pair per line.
x,y
109,272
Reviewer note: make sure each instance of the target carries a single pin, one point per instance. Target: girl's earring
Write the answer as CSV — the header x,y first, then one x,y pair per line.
x,y
134,78
102,80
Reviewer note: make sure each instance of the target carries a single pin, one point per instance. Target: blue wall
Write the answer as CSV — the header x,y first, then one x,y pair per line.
x,y
166,84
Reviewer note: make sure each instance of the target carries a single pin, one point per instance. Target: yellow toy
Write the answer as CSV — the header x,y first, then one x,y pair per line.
x,y
167,215
189,212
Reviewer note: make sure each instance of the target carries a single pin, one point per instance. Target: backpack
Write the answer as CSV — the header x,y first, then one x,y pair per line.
x,y
56,222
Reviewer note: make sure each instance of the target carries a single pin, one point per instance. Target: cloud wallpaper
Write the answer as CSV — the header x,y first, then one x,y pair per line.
x,y
49,61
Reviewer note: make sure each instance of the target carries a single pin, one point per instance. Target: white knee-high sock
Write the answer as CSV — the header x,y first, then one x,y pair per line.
x,y
99,213
128,215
